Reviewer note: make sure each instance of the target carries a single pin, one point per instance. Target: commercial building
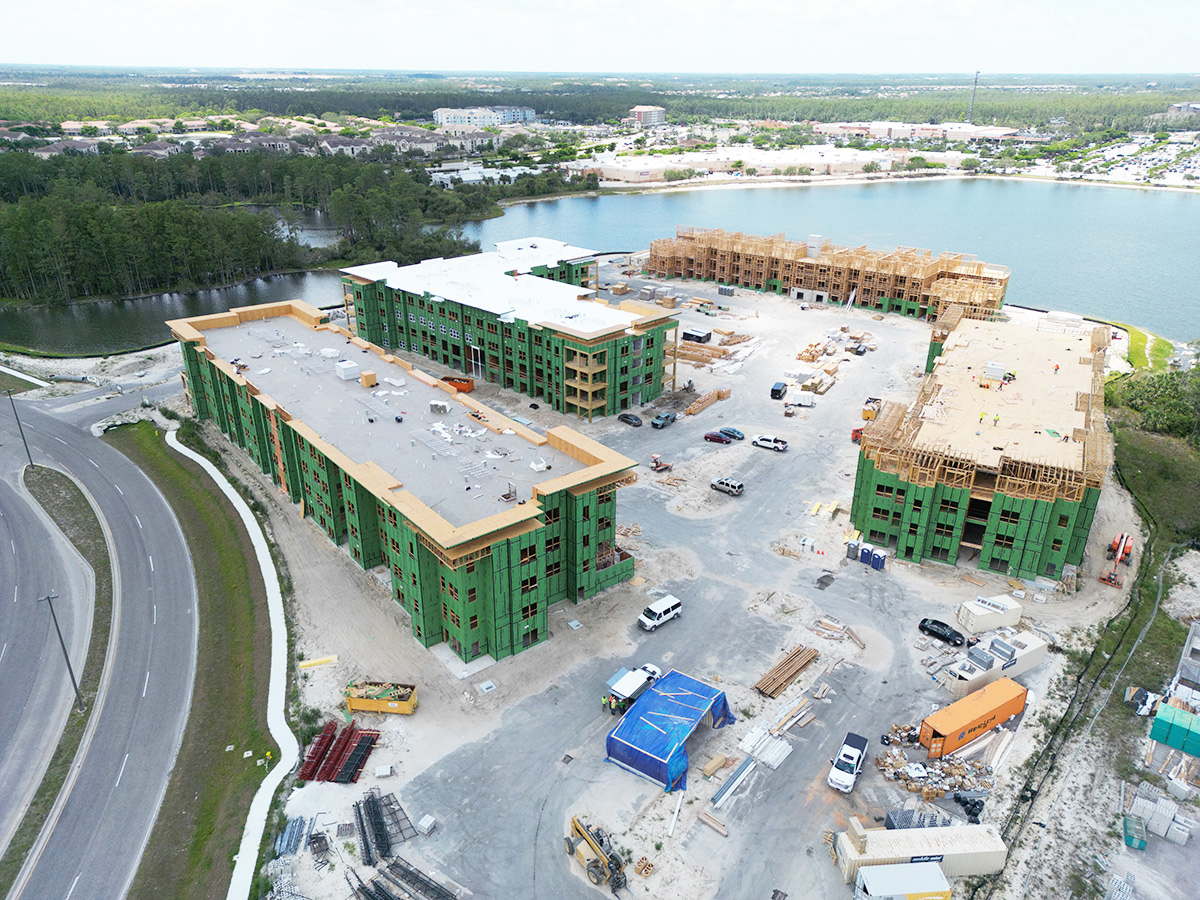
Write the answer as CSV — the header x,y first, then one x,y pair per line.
x,y
649,115
959,850
525,316
483,116
481,522
911,282
1000,459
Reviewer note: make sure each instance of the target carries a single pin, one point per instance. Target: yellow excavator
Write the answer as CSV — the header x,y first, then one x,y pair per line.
x,y
592,849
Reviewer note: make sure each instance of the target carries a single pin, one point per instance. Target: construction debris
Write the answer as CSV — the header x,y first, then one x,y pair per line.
x,y
934,778
786,671
713,822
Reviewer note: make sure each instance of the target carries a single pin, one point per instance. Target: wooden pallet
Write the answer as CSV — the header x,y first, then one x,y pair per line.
x,y
784,672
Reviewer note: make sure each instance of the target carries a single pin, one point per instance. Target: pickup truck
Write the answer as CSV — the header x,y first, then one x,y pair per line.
x,y
663,419
848,763
625,686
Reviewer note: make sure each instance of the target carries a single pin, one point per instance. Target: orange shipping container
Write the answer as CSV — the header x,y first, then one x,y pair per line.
x,y
969,718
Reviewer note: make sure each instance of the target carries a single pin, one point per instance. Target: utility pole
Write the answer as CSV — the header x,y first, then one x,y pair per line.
x,y
49,599
971,111
19,428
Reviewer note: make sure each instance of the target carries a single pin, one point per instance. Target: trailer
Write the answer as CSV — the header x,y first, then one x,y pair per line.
x,y
697,335
381,697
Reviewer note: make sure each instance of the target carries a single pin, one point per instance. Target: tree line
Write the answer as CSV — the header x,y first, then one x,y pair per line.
x,y
116,224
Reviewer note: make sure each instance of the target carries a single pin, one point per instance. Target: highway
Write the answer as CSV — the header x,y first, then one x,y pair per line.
x,y
35,691
94,839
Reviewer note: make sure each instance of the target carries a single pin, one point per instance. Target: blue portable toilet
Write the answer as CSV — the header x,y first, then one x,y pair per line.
x,y
864,554
852,550
878,558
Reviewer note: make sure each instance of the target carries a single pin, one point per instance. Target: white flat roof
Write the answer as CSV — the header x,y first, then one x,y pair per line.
x,y
903,878
447,459
479,281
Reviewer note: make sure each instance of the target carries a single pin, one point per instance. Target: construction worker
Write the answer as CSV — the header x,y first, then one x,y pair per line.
x,y
996,420
1056,368
981,415
604,701
612,706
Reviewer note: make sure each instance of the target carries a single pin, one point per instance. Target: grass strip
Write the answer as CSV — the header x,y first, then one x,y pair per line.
x,y
1161,353
14,384
190,853
62,500
1137,346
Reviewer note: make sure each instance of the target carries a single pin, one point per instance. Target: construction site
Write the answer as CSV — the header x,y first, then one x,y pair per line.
x,y
906,281
515,775
1000,459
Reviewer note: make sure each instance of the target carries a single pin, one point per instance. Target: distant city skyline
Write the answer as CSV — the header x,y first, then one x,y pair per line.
x,y
853,36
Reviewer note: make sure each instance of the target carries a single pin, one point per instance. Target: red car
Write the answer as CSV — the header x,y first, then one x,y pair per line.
x,y
717,438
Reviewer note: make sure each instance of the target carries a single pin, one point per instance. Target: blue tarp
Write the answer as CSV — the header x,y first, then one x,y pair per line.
x,y
650,738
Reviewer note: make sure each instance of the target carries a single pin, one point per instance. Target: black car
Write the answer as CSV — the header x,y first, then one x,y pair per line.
x,y
942,631
630,419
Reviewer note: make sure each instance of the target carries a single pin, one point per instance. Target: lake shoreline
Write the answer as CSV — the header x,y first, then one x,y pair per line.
x,y
778,181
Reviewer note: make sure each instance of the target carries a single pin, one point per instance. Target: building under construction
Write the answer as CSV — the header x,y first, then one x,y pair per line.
x,y
911,282
524,316
480,522
1000,459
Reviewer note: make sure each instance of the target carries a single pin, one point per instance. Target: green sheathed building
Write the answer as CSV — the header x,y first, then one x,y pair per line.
x,y
482,523
524,316
1000,459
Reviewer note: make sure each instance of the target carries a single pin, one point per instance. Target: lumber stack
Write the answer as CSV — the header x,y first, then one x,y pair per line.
x,y
787,670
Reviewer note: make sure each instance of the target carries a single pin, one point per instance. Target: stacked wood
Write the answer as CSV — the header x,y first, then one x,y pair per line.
x,y
702,403
734,339
786,671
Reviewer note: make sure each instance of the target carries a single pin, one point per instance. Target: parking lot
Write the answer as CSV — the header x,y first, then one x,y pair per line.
x,y
505,756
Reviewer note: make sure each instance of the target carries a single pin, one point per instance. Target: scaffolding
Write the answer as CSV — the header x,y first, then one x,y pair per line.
x,y
910,280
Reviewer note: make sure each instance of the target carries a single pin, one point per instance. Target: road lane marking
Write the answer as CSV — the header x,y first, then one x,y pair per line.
x,y
136,519
2,649
72,890
93,462
118,784
152,564
155,614
14,546
146,685
119,491
61,441
14,593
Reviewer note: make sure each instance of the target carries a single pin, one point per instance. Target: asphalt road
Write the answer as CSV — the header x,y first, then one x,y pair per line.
x,y
35,690
94,843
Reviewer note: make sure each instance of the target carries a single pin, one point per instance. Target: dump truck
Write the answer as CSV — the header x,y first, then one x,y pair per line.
x,y
848,763
381,697
592,848
972,717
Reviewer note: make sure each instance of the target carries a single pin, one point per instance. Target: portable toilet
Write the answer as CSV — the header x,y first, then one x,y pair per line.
x,y
852,550
864,554
878,558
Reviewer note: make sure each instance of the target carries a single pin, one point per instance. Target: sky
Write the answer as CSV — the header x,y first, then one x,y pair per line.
x,y
777,36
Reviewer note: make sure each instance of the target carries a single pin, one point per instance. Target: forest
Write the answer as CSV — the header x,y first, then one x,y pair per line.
x,y
117,224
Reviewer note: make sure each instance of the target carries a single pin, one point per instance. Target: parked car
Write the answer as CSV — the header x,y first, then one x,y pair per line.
x,y
943,632
717,438
663,419
730,486
733,433
770,442
630,419
661,610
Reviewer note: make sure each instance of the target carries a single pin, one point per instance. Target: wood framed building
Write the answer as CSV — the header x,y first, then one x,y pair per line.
x,y
482,522
525,316
911,282
1000,459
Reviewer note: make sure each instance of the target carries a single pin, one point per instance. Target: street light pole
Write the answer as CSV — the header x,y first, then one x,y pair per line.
x,y
50,598
19,428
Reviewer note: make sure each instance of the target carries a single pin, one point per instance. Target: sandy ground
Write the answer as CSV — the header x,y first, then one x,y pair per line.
x,y
146,366
1184,599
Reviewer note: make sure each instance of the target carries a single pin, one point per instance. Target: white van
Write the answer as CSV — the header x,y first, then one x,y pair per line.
x,y
662,610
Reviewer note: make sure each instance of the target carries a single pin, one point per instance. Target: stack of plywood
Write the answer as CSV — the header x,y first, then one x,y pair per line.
x,y
786,671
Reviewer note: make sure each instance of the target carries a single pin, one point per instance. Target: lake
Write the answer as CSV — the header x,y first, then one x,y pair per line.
x,y
1126,255
1129,255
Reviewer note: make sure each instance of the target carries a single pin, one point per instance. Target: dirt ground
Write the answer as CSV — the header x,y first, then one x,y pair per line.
x,y
370,635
